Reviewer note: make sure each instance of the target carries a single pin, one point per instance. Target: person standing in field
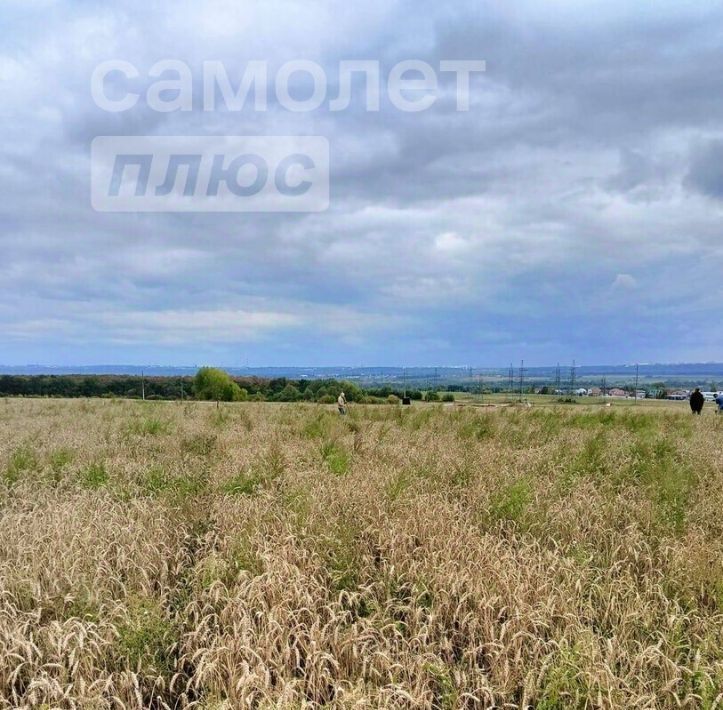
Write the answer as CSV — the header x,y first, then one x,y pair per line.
x,y
719,402
696,401
341,403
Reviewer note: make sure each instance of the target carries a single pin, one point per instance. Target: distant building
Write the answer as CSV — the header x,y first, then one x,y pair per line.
x,y
581,392
594,392
678,395
617,392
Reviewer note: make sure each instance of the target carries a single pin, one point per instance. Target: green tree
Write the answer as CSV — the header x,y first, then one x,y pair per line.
x,y
351,390
211,383
290,393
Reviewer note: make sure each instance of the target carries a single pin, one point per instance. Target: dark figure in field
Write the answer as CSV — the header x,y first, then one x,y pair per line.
x,y
696,401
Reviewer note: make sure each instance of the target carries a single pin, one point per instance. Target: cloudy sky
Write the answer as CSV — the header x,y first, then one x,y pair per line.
x,y
575,211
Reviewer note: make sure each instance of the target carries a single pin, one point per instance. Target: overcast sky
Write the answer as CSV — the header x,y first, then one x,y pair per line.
x,y
575,211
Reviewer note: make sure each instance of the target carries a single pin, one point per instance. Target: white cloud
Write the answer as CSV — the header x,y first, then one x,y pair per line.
x,y
624,282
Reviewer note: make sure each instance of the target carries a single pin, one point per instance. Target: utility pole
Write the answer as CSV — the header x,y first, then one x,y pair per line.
x,y
572,378
182,390
512,380
143,386
604,386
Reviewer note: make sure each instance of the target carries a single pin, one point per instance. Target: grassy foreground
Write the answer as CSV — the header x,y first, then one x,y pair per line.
x,y
258,555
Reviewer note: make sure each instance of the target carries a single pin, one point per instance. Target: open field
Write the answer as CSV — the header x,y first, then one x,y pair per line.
x,y
551,400
260,555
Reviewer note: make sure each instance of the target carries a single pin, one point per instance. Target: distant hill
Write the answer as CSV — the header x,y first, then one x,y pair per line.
x,y
672,373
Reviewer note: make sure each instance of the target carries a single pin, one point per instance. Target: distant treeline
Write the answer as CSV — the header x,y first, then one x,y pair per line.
x,y
278,389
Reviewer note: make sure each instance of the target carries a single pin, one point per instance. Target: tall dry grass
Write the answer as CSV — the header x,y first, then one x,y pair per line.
x,y
174,555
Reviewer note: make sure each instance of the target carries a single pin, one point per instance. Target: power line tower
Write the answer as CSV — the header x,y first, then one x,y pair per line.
x,y
637,378
143,386
511,387
558,379
604,386
522,378
572,378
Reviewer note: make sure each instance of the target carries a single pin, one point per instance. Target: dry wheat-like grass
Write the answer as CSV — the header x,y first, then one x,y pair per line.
x,y
169,555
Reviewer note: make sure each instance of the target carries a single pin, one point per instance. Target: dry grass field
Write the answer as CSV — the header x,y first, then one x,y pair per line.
x,y
157,555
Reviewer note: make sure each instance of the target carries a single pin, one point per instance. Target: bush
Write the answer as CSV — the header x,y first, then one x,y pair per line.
x,y
393,399
431,396
448,397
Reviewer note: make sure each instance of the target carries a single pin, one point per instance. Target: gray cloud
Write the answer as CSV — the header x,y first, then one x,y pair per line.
x,y
706,169
452,237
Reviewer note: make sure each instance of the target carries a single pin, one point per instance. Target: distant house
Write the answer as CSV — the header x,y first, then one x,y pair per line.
x,y
678,394
617,392
594,392
581,392
641,394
